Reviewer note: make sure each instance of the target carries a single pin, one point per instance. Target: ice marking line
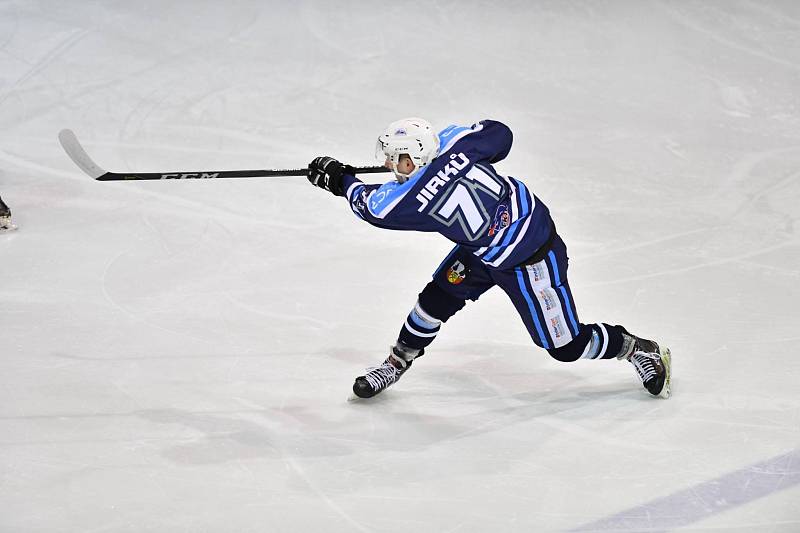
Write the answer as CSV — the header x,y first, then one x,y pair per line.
x,y
791,178
687,21
43,62
30,165
523,413
16,25
278,315
146,146
294,465
696,503
773,13
649,242
113,302
745,166
681,270
760,341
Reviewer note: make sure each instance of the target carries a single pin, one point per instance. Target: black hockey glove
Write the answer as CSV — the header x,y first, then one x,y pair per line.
x,y
328,173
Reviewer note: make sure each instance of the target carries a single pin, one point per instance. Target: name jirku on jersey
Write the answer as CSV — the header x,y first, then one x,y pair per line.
x,y
457,163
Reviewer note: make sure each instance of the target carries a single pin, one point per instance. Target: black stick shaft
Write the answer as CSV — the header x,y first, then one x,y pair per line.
x,y
216,174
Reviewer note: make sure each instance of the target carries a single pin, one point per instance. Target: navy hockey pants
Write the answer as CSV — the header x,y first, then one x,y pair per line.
x,y
540,292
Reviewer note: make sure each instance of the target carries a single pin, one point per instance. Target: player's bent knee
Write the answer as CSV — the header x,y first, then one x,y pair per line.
x,y
438,303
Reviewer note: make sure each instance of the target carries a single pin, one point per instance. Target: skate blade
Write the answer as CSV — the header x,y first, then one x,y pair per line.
x,y
666,356
6,229
352,398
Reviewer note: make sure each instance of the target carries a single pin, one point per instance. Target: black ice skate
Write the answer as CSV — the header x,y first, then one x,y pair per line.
x,y
5,217
652,363
379,378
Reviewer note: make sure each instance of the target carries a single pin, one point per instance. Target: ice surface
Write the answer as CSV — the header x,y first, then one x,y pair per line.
x,y
175,356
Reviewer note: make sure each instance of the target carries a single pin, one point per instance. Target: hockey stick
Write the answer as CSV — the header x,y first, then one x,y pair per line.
x,y
76,152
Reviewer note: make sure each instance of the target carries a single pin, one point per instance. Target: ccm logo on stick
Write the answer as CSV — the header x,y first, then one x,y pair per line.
x,y
190,175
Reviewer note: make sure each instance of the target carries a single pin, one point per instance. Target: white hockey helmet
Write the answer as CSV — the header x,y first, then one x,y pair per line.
x,y
412,136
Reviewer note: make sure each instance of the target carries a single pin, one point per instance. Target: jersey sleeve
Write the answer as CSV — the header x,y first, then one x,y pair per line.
x,y
385,206
493,140
488,140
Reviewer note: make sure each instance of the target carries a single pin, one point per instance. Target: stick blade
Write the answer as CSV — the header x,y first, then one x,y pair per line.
x,y
78,155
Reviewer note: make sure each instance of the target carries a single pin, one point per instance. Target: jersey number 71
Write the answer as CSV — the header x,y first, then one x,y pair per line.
x,y
462,202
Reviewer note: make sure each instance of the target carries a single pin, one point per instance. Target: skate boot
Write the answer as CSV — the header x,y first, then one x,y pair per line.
x,y
382,377
652,364
5,217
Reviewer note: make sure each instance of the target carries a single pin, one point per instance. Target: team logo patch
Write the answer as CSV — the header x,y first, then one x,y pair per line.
x,y
456,273
502,218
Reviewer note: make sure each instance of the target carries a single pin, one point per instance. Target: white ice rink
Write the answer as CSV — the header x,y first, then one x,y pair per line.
x,y
175,356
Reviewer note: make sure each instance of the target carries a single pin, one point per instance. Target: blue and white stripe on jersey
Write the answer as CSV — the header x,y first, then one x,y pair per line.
x,y
352,190
506,240
380,202
356,189
449,136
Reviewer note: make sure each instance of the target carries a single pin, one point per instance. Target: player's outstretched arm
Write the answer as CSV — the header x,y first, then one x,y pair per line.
x,y
340,180
385,205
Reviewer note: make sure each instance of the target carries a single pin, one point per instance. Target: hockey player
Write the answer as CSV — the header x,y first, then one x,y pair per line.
x,y
5,217
504,236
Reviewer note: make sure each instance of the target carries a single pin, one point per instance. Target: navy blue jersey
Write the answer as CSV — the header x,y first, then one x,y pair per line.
x,y
460,195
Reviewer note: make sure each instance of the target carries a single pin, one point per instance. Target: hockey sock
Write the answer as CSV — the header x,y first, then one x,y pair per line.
x,y
606,342
419,330
595,341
